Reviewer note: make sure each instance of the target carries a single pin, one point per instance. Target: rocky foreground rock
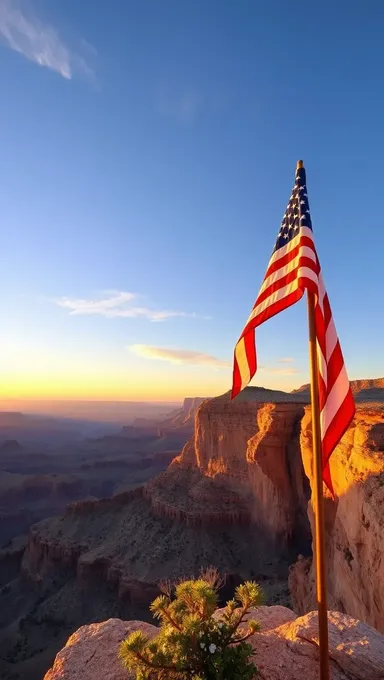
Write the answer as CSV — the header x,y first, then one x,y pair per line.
x,y
285,649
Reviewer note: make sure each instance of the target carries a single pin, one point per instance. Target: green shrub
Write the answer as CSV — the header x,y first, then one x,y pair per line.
x,y
193,644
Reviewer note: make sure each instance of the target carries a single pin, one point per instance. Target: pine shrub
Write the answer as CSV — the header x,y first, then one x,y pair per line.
x,y
192,643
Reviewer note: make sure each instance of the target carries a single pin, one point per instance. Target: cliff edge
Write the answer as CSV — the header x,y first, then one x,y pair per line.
x,y
285,648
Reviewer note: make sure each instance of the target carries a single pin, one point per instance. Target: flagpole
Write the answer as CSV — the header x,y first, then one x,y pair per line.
x,y
318,507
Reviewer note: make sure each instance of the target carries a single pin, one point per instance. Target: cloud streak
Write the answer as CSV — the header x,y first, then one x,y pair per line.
x,y
179,356
192,357
38,42
118,304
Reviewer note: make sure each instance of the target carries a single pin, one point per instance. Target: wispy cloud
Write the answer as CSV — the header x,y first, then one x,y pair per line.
x,y
191,357
186,356
118,304
178,356
286,360
39,42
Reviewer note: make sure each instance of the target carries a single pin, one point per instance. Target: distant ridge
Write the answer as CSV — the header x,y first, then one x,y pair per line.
x,y
10,446
370,389
265,395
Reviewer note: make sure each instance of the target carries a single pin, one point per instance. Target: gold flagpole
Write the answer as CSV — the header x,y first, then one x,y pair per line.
x,y
321,578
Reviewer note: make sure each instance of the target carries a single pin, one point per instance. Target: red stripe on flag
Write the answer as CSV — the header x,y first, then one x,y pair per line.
x,y
338,426
334,366
327,311
236,382
322,392
250,349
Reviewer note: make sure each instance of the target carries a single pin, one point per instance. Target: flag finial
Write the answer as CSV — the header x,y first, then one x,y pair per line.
x,y
300,164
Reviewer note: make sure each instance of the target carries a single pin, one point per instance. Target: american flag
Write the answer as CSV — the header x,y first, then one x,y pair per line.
x,y
293,268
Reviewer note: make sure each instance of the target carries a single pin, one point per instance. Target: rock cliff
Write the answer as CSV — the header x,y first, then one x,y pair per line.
x,y
354,522
285,648
242,466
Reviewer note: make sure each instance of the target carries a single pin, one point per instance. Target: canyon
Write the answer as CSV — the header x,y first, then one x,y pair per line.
x,y
49,463
238,496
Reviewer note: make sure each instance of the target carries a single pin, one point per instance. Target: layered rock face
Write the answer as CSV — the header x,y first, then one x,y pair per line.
x,y
217,503
354,522
242,466
285,649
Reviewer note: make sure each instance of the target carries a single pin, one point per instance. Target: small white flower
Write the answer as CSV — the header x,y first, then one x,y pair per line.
x,y
221,625
212,648
202,645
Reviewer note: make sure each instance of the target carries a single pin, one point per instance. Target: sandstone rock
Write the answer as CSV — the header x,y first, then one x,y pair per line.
x,y
268,617
91,652
354,522
242,466
285,649
301,584
354,647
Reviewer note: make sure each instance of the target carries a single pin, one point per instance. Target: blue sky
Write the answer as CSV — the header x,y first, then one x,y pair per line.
x,y
149,148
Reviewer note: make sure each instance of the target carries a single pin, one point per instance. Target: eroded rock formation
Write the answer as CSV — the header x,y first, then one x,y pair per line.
x,y
354,522
241,467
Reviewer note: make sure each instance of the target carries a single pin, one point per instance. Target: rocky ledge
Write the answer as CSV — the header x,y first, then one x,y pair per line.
x,y
285,649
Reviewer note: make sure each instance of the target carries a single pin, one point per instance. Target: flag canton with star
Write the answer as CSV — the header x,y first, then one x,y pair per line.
x,y
297,213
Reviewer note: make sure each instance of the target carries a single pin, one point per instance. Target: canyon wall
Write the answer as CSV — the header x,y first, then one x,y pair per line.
x,y
241,466
354,522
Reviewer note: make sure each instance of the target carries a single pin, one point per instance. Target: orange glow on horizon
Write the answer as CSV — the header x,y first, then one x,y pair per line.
x,y
117,388
105,388
35,374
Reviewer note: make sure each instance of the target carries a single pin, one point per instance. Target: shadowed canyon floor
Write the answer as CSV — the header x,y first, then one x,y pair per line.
x,y
237,497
